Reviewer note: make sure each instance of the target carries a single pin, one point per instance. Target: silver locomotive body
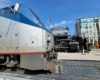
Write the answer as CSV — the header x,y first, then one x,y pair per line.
x,y
23,38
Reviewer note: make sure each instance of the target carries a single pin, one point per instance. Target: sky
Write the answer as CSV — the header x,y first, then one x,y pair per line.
x,y
61,12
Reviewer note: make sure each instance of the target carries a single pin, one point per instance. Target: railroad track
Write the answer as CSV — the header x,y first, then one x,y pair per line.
x,y
71,70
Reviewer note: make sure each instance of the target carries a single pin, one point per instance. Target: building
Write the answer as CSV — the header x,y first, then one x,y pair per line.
x,y
89,27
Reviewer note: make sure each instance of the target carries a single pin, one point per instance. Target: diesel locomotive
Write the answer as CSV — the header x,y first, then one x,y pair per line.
x,y
24,40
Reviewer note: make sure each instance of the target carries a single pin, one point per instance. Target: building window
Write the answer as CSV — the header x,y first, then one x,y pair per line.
x,y
94,33
99,19
86,31
89,26
92,20
91,32
88,21
83,20
96,20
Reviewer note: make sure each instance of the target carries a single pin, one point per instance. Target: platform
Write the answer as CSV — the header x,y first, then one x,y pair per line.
x,y
79,56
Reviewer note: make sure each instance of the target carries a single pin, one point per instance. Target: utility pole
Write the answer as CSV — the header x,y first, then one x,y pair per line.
x,y
49,20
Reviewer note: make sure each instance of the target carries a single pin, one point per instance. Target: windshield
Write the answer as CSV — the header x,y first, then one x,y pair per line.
x,y
36,18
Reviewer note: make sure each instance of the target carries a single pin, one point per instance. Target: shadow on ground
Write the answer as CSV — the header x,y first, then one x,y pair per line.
x,y
36,72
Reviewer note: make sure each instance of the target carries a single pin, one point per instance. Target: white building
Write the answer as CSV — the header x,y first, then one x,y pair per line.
x,y
89,28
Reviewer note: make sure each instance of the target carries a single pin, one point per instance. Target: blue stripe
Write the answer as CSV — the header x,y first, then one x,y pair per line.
x,y
10,25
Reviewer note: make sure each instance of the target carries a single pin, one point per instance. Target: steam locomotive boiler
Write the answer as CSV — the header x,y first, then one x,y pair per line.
x,y
60,38
24,41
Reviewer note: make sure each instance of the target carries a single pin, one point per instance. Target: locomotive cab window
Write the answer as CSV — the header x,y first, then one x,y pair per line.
x,y
1,11
6,11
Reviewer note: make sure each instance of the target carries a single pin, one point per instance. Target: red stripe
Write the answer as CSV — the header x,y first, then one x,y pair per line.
x,y
21,52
